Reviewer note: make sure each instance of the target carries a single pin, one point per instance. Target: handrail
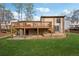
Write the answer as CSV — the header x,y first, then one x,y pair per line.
x,y
32,24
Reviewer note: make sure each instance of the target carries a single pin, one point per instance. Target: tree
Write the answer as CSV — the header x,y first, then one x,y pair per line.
x,y
19,9
8,16
28,10
1,14
5,16
24,9
75,16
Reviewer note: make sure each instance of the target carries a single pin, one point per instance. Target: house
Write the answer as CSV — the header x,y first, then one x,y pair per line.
x,y
47,26
6,26
74,26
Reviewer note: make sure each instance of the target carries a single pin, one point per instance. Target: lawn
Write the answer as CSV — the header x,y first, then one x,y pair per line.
x,y
51,47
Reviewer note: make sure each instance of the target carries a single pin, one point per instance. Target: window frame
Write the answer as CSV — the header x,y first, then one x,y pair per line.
x,y
57,28
58,20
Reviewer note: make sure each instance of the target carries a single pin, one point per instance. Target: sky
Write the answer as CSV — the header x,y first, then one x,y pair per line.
x,y
47,9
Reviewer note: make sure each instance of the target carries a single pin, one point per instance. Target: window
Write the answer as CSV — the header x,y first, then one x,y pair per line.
x,y
58,20
76,25
57,28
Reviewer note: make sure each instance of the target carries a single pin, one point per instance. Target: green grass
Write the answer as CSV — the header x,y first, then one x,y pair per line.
x,y
59,47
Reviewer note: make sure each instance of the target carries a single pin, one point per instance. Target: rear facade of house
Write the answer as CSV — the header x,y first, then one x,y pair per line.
x,y
47,25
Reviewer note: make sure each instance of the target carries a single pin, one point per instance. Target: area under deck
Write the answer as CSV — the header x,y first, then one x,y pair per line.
x,y
31,31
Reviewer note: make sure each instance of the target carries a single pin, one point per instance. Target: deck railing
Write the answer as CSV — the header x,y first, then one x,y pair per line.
x,y
31,24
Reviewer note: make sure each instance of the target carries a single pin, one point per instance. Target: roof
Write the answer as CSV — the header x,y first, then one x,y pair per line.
x,y
52,16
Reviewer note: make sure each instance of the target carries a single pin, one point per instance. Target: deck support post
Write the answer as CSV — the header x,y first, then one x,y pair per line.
x,y
28,32
52,29
24,32
37,31
21,32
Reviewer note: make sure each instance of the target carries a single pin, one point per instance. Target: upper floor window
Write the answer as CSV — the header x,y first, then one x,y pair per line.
x,y
76,25
58,20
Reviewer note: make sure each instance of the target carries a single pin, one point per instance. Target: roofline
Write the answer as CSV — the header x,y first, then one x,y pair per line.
x,y
52,16
29,21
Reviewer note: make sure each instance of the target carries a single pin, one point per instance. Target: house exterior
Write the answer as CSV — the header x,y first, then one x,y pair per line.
x,y
47,25
6,26
74,26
